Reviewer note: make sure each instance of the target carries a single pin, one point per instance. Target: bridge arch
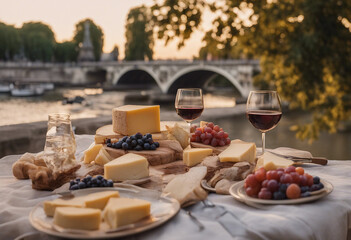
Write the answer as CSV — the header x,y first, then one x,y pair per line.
x,y
217,70
119,76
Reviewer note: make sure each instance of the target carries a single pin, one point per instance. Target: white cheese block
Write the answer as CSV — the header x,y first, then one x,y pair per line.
x,y
91,153
130,119
186,187
239,151
127,167
99,199
271,162
103,157
78,218
193,156
123,211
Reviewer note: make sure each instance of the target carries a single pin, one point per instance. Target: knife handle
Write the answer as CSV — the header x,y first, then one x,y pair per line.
x,y
319,160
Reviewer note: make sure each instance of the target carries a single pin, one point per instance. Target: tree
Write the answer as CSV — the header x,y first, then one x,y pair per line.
x,y
10,42
66,52
304,47
96,34
139,35
38,41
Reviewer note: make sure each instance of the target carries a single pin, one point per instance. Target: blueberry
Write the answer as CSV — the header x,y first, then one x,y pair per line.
x,y
149,140
94,185
99,177
321,185
279,195
305,194
98,182
157,144
153,147
133,143
133,137
144,138
93,180
138,148
119,144
77,179
147,146
71,183
304,189
283,187
125,146
88,177
140,142
314,187
109,145
316,180
148,135
138,135
108,140
128,140
110,183
88,184
82,185
74,187
124,138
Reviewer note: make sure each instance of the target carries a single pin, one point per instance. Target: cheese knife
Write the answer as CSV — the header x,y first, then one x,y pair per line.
x,y
315,160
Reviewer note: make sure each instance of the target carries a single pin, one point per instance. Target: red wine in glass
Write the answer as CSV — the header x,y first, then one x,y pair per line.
x,y
264,120
189,113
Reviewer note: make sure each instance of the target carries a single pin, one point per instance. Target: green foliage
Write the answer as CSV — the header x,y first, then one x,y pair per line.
x,y
139,35
38,41
304,47
66,52
10,42
96,34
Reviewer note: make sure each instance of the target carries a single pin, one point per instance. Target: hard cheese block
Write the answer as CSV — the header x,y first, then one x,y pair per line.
x,y
130,119
127,167
194,156
78,218
106,132
103,157
186,187
271,162
91,153
50,206
239,151
123,211
99,199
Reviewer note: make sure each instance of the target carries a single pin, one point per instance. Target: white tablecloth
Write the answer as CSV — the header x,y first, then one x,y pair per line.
x,y
328,218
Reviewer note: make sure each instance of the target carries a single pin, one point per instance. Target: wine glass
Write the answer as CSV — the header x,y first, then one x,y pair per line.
x,y
263,109
189,104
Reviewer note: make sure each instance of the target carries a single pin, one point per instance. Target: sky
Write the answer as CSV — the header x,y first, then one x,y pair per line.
x,y
110,15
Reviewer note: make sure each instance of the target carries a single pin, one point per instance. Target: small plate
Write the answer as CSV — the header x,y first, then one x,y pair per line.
x,y
162,210
206,186
238,192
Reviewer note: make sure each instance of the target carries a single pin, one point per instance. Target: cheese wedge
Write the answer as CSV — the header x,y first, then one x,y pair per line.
x,y
186,187
50,206
103,157
123,211
78,218
239,151
127,167
105,132
99,199
271,162
194,156
91,153
130,119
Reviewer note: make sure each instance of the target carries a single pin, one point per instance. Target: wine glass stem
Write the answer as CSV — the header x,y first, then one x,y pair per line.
x,y
263,142
189,123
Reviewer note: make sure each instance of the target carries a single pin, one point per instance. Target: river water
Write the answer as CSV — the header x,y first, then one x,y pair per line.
x,y
218,108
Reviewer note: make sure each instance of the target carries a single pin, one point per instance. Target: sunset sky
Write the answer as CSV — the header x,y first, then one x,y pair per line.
x,y
109,14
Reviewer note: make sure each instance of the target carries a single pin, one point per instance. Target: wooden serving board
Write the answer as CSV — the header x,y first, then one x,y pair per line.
x,y
169,151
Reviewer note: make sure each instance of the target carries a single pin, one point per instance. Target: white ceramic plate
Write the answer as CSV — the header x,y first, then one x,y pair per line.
x,y
238,192
162,210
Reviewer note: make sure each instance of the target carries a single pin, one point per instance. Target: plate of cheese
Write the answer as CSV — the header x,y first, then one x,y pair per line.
x,y
98,213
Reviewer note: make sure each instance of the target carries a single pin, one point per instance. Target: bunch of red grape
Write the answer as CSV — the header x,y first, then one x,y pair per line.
x,y
210,134
281,184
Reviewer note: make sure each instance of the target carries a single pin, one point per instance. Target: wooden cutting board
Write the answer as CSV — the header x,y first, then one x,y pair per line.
x,y
169,151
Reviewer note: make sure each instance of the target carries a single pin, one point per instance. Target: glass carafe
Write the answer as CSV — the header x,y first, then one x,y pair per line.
x,y
60,144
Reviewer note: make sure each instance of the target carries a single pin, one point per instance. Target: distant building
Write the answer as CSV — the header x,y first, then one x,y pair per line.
x,y
112,56
86,51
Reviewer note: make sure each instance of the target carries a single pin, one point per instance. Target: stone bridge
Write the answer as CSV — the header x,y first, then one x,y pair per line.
x,y
166,75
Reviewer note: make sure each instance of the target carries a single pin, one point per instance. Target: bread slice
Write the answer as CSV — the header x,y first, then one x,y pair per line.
x,y
178,133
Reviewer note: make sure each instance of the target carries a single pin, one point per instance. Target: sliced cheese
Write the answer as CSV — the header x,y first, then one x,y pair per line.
x,y
186,187
123,211
271,162
127,167
99,199
103,157
239,151
193,156
50,206
106,132
130,119
91,153
78,218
